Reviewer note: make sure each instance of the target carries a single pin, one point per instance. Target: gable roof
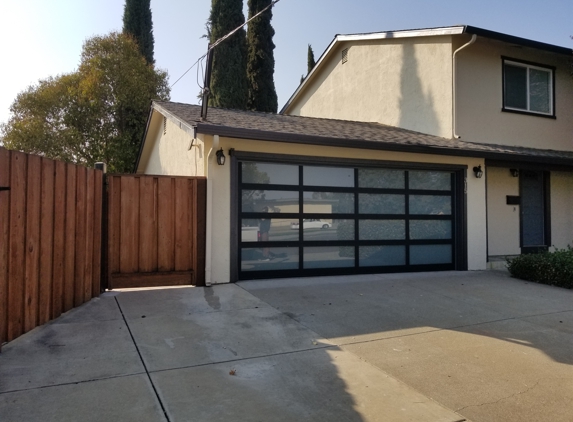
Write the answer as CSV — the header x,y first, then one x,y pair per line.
x,y
427,32
260,126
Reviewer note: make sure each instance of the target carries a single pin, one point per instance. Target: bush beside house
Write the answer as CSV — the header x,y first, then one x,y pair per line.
x,y
552,268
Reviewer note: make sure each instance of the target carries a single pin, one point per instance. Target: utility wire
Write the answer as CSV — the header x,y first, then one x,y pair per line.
x,y
223,38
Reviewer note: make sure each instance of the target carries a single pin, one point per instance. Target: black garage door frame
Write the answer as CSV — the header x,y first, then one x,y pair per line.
x,y
458,217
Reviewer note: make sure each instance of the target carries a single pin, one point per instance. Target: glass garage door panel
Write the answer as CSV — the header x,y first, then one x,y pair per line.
x,y
272,201
270,173
382,230
328,202
430,180
381,203
339,220
328,257
430,229
381,178
384,255
268,259
430,254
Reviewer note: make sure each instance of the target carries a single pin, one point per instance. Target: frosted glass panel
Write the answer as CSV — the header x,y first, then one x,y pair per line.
x,y
430,229
381,178
430,254
382,229
381,204
374,256
430,205
430,180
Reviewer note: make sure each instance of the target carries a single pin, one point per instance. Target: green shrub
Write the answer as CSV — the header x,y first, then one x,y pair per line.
x,y
553,268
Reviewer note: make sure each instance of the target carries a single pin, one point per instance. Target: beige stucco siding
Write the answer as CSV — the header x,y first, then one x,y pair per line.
x,y
561,209
220,177
479,99
168,150
502,219
398,82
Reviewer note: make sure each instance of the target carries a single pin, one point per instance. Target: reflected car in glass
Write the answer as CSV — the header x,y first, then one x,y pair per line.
x,y
311,223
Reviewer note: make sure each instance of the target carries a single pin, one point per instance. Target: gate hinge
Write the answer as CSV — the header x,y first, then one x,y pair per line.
x,y
4,188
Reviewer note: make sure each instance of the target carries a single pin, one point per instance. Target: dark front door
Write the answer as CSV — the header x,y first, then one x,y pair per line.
x,y
534,211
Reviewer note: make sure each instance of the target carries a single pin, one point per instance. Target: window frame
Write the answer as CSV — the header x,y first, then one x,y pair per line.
x,y
529,65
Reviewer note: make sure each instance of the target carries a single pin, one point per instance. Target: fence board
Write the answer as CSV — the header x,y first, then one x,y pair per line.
x,y
4,238
129,224
16,271
70,241
46,242
148,225
182,247
89,239
32,251
114,209
166,226
60,179
80,238
97,233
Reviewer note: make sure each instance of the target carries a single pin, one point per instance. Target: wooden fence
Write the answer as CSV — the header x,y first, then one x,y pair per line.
x,y
156,229
50,239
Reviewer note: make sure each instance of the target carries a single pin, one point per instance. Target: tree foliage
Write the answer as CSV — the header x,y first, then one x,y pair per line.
x,y
138,23
97,113
260,59
229,85
310,62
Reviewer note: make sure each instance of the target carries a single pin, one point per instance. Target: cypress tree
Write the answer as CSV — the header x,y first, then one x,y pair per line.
x,y
229,86
261,62
310,62
137,22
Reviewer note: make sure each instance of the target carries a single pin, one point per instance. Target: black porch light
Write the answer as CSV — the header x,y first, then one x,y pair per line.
x,y
478,171
514,172
221,157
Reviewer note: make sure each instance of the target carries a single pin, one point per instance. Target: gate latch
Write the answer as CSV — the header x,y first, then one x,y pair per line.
x,y
4,188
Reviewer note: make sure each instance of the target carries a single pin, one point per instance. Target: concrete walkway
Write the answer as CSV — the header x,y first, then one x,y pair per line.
x,y
446,347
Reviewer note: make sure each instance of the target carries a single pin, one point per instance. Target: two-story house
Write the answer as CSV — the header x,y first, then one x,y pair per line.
x,y
432,149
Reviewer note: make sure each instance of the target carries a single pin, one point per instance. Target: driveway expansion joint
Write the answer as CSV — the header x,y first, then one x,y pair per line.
x,y
143,363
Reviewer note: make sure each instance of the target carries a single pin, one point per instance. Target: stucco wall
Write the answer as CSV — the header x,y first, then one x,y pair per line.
x,y
479,99
169,152
220,178
561,209
502,219
398,82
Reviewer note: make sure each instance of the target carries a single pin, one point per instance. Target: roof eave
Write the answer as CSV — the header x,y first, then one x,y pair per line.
x,y
240,133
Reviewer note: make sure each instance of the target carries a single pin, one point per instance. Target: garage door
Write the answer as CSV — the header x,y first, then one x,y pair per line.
x,y
305,220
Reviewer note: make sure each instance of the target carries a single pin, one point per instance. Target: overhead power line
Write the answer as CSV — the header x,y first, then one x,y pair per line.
x,y
223,38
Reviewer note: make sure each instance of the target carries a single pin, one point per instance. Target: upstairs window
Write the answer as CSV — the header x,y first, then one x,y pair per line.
x,y
528,88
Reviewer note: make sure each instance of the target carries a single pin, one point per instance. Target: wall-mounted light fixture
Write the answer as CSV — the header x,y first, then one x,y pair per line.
x,y
514,172
221,157
478,171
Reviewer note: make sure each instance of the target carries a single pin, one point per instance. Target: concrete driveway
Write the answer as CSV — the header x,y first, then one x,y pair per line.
x,y
451,346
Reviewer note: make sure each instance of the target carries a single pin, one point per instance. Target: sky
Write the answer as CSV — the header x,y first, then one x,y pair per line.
x,y
44,38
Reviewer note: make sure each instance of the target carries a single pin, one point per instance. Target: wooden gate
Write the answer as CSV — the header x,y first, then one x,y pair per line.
x,y
156,231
